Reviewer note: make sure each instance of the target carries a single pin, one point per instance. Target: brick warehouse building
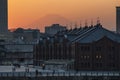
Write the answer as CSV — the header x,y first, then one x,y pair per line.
x,y
90,48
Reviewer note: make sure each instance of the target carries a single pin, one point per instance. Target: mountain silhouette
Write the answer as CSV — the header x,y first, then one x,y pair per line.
x,y
48,20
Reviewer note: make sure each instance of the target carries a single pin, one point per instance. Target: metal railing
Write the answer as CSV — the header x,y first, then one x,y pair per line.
x,y
34,74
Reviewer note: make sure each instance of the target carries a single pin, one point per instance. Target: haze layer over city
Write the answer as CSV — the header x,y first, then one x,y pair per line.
x,y
33,14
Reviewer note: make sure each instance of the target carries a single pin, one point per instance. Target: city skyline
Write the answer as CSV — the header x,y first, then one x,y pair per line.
x,y
23,13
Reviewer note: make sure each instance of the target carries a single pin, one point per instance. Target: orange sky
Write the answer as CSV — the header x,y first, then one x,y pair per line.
x,y
25,12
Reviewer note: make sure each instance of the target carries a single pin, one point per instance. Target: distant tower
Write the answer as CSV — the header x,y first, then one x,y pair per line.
x,y
3,17
118,19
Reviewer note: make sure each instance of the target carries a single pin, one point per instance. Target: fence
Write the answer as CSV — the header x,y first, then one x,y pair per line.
x,y
61,74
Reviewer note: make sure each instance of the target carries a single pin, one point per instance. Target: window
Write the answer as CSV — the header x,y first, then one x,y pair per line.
x,y
98,48
85,48
85,64
98,56
99,65
2,54
88,57
111,48
85,57
81,57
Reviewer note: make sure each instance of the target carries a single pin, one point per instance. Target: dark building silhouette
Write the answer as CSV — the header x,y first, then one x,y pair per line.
x,y
101,55
16,53
3,16
3,52
91,48
26,35
118,19
53,29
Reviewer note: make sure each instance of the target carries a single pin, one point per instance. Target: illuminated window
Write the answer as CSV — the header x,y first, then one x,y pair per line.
x,y
97,56
100,56
88,56
85,57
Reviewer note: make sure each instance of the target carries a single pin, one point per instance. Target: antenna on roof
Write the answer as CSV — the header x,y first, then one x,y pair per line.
x,y
80,24
86,23
98,20
91,22
75,25
71,25
66,25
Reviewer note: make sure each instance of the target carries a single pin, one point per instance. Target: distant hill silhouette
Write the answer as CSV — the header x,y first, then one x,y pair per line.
x,y
48,20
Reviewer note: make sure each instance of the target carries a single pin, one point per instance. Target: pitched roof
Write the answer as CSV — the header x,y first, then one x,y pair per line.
x,y
95,34
85,35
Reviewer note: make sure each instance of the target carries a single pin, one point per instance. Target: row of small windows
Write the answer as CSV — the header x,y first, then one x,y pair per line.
x,y
111,48
98,56
98,48
82,48
87,64
87,48
98,64
87,57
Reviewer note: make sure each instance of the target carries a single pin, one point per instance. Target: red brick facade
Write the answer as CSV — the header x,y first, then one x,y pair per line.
x,y
102,55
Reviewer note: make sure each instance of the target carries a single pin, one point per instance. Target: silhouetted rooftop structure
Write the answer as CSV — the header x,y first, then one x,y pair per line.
x,y
53,29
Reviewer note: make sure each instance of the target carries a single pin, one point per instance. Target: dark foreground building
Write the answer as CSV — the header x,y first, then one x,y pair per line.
x,y
3,16
91,48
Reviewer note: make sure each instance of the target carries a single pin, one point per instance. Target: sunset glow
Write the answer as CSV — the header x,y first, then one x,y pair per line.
x,y
25,12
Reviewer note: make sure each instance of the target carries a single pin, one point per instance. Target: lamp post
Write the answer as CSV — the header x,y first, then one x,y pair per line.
x,y
43,66
36,73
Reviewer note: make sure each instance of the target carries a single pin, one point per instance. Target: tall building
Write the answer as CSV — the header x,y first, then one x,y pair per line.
x,y
118,19
3,17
